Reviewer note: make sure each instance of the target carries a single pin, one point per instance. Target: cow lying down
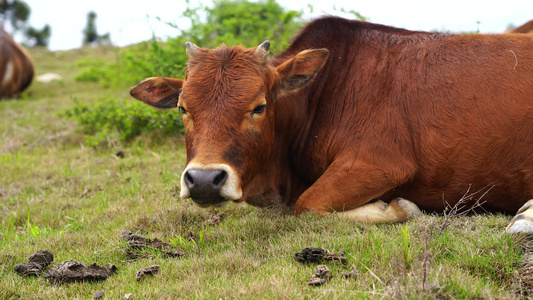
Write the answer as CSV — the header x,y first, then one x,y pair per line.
x,y
353,112
16,66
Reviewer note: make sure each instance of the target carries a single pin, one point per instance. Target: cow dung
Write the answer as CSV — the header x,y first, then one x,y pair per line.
x,y
310,255
29,269
135,241
323,271
336,257
322,275
151,270
36,264
316,281
72,270
318,254
42,257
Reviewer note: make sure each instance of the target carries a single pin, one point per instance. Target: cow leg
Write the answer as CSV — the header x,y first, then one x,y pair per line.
x,y
347,190
398,210
523,221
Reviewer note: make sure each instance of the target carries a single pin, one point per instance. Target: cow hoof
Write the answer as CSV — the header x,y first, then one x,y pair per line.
x,y
411,209
525,207
520,224
523,221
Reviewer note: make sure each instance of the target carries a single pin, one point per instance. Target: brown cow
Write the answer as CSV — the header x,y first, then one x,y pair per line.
x,y
382,113
16,66
526,28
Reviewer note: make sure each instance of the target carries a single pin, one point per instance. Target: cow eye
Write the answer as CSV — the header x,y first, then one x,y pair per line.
x,y
182,110
259,110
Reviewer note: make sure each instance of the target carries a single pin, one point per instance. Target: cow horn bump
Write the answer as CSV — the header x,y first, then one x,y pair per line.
x,y
263,50
192,49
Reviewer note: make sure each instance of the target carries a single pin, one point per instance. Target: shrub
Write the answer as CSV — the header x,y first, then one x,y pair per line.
x,y
243,22
122,118
94,70
229,21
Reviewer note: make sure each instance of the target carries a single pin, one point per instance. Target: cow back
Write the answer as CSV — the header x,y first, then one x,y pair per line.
x,y
456,111
526,28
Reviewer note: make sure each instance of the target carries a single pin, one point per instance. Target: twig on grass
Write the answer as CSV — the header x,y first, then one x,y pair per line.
x,y
459,209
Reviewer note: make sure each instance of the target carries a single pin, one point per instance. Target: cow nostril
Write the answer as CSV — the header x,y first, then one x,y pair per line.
x,y
220,179
188,179
205,186
205,179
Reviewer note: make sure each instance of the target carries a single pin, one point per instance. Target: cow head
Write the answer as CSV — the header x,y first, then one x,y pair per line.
x,y
227,105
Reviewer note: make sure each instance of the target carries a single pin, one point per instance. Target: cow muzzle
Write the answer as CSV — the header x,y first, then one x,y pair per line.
x,y
210,185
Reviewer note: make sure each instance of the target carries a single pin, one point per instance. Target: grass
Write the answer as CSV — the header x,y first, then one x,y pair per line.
x,y
74,201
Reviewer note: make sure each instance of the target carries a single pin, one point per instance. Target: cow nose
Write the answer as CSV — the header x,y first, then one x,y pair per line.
x,y
205,183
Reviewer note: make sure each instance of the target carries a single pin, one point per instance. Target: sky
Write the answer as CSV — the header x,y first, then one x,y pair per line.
x,y
133,21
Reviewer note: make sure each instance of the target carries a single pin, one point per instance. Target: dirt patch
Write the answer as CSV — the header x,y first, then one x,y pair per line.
x,y
36,264
215,219
72,270
151,270
138,242
311,255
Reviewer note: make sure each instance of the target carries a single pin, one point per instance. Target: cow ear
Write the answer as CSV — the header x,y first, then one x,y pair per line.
x,y
301,69
161,92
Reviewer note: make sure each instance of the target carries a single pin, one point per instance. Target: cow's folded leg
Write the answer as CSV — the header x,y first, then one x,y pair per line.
x,y
398,210
348,191
523,221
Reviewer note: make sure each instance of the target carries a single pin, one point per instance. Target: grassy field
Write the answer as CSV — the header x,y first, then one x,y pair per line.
x,y
58,195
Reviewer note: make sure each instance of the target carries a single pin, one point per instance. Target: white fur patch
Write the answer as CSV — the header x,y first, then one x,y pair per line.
x,y
381,212
7,74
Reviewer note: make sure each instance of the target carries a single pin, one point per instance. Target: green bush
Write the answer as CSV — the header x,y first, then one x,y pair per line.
x,y
229,21
94,70
235,22
124,119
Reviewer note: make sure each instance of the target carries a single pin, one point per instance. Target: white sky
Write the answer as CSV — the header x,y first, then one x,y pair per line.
x,y
132,21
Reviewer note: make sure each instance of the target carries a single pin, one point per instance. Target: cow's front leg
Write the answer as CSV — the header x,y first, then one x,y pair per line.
x,y
347,191
523,221
398,210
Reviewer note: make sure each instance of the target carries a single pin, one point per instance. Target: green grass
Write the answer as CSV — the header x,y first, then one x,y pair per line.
x,y
59,195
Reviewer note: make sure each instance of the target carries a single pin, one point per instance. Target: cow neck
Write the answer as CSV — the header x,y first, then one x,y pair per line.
x,y
294,114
